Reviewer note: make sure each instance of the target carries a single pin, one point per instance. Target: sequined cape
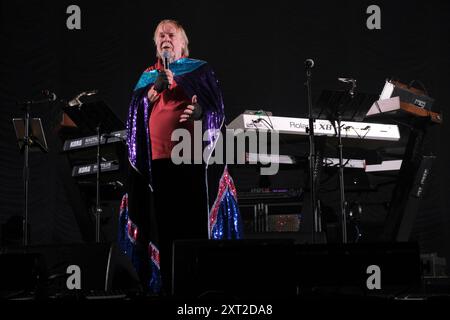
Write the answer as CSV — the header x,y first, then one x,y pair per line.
x,y
137,230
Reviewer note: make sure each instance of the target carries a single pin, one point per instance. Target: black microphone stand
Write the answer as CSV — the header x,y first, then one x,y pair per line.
x,y
341,180
99,118
312,152
26,171
98,208
343,204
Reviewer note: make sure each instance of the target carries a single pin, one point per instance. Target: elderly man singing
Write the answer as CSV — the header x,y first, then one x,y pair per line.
x,y
168,201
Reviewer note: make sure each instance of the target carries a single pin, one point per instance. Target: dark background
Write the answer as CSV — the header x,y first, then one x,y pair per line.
x,y
257,50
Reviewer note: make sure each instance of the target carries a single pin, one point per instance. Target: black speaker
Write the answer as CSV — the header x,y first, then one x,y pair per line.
x,y
101,268
234,268
280,268
391,267
20,273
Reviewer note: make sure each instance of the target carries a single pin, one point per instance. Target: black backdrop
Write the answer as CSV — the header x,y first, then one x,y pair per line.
x,y
257,50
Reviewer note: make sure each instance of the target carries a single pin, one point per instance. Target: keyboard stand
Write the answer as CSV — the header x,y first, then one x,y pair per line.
x,y
95,117
338,106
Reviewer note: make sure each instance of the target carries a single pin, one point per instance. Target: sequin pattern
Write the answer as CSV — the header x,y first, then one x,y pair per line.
x,y
131,132
224,218
155,279
128,243
195,77
147,135
179,67
154,254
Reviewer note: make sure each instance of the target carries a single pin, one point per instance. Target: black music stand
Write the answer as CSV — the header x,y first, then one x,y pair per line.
x,y
94,117
36,135
337,106
31,138
89,115
349,107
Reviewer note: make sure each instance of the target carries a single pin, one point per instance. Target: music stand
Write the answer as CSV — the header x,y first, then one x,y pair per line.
x,y
90,117
31,138
37,140
337,106
87,116
350,107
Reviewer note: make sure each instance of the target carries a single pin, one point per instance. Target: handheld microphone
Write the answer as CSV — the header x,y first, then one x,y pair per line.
x,y
165,58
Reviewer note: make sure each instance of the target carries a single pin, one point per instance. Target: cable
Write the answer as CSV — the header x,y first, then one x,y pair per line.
x,y
359,136
268,116
269,125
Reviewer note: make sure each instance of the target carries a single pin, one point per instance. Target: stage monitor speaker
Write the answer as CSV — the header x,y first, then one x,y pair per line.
x,y
278,268
363,268
100,267
19,273
234,268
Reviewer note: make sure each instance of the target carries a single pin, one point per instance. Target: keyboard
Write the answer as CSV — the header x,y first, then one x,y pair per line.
x,y
91,141
89,169
385,165
299,126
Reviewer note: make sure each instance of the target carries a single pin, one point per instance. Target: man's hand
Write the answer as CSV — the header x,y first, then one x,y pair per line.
x,y
163,81
192,111
152,95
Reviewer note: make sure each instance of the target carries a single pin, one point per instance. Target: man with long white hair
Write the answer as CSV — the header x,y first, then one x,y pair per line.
x,y
166,201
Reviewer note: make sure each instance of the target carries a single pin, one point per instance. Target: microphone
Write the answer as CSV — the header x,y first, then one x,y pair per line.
x,y
165,58
75,102
352,81
347,80
309,63
50,95
90,93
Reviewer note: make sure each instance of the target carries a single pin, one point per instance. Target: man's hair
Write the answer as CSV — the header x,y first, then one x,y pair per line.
x,y
179,27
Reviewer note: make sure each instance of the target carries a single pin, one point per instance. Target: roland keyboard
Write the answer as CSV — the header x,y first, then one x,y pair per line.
x,y
299,126
384,165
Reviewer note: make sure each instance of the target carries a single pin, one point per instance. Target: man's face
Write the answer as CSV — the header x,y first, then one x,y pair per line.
x,y
168,38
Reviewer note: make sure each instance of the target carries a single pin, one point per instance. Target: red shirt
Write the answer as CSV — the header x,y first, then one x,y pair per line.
x,y
164,119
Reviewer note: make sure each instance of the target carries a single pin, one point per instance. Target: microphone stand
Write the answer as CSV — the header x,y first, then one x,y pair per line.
x,y
97,211
312,154
341,181
341,160
26,171
98,208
